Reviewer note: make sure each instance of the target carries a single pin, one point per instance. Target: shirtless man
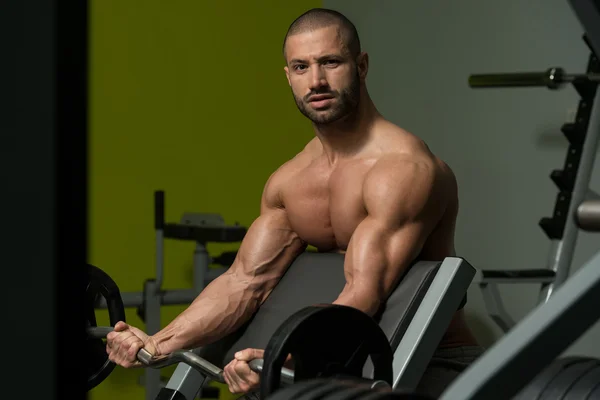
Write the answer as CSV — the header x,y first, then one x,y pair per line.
x,y
362,186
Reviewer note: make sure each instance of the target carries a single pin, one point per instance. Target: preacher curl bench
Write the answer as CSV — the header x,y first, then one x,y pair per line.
x,y
414,319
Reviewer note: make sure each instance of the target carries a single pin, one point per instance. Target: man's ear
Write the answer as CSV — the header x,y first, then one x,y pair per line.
x,y
287,74
362,62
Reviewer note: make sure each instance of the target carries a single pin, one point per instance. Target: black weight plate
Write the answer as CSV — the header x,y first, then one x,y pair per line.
x,y
99,283
536,387
393,396
396,396
348,393
325,391
298,391
565,379
326,340
584,386
595,394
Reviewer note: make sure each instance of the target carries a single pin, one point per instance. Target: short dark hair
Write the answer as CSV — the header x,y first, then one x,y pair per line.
x,y
316,18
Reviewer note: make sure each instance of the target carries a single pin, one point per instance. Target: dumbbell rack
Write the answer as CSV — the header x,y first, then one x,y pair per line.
x,y
572,182
200,228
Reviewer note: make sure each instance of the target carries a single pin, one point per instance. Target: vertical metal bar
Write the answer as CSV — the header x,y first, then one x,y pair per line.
x,y
201,265
160,258
152,310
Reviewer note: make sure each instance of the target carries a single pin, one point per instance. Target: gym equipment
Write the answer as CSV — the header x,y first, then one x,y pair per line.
x,y
533,344
326,389
552,78
346,339
572,182
201,229
185,356
588,216
414,319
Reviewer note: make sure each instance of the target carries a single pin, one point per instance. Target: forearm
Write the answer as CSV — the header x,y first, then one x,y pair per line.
x,y
231,299
222,307
361,300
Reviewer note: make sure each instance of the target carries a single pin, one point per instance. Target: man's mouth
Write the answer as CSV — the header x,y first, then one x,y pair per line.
x,y
319,97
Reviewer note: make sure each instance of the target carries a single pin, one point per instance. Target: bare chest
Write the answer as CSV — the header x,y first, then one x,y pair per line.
x,y
325,207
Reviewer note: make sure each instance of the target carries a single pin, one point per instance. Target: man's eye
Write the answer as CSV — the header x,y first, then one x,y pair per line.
x,y
299,67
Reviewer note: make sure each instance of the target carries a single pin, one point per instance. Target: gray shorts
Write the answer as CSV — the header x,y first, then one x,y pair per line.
x,y
445,366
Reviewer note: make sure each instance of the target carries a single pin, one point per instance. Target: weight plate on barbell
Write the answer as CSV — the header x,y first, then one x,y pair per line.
x,y
298,391
345,392
99,283
565,379
595,394
325,391
326,340
535,388
396,396
583,388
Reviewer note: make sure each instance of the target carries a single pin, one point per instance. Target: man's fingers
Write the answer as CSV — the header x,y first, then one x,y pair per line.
x,y
249,354
242,369
231,378
120,326
133,350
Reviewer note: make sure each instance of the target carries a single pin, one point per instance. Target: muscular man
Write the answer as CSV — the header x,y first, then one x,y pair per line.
x,y
362,186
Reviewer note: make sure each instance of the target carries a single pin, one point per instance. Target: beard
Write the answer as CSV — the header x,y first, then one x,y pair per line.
x,y
345,103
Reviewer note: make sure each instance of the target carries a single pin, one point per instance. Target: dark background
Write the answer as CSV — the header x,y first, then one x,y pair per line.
x,y
43,134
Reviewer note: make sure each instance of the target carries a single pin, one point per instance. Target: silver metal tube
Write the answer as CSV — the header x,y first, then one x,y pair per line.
x,y
152,304
561,256
187,357
160,258
98,332
588,215
195,361
201,267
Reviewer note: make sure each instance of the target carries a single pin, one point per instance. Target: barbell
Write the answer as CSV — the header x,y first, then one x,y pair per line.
x,y
325,341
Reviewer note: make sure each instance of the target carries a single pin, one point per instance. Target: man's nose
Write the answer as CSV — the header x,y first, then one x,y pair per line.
x,y
317,79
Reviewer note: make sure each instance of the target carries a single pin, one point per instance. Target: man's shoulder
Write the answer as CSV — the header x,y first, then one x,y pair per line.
x,y
401,165
406,155
410,177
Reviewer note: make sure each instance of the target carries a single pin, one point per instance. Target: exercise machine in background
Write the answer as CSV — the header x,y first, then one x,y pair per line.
x,y
572,182
200,228
535,342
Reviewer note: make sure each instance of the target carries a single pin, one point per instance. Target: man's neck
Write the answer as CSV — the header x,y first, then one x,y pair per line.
x,y
346,137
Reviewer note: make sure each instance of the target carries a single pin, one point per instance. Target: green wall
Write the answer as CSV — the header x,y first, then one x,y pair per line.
x,y
189,97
